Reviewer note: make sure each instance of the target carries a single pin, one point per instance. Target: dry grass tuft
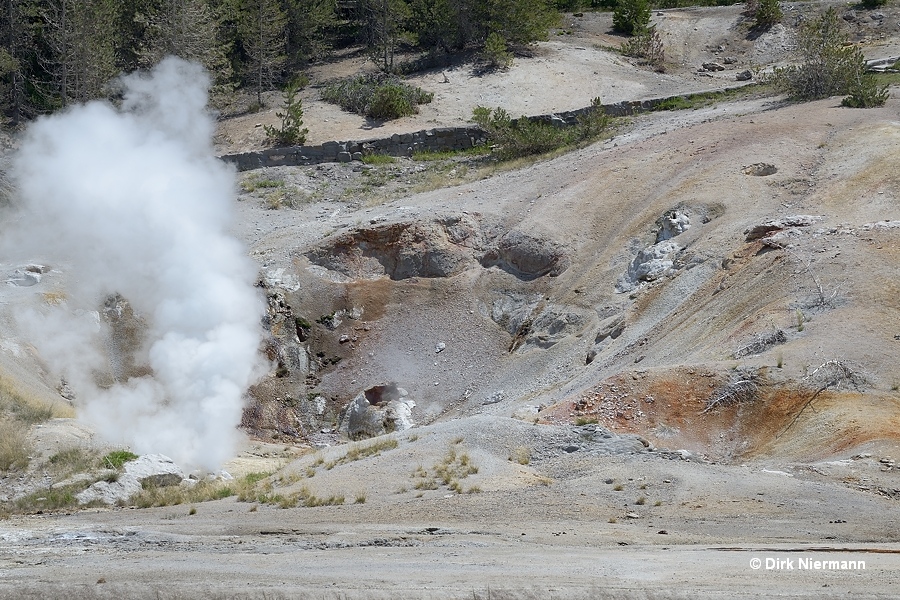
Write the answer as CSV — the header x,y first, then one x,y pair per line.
x,y
14,448
454,467
173,495
521,455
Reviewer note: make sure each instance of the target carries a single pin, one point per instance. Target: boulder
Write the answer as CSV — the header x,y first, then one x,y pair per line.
x,y
378,410
745,75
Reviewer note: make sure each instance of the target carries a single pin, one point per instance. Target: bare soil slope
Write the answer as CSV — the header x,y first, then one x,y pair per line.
x,y
581,426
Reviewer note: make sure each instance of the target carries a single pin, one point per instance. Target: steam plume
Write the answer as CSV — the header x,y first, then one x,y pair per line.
x,y
132,201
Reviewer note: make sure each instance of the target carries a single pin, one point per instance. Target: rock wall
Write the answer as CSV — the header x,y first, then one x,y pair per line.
x,y
400,144
439,139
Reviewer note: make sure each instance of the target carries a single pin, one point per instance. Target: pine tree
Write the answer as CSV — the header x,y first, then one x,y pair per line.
x,y
79,35
188,29
384,27
13,44
261,29
631,17
308,23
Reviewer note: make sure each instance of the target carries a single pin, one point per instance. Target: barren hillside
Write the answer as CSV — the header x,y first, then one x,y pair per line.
x,y
626,370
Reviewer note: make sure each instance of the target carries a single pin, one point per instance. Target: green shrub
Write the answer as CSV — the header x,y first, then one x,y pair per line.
x,y
390,101
767,13
524,137
495,52
377,96
830,66
870,4
866,92
292,132
631,16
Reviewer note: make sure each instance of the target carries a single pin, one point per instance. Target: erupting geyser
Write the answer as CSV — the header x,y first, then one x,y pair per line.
x,y
132,201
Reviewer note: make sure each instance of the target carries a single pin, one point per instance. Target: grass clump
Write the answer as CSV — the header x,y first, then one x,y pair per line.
x,y
378,96
361,450
435,155
378,159
72,460
618,487
173,495
24,408
453,468
255,181
56,498
302,498
116,458
14,447
521,455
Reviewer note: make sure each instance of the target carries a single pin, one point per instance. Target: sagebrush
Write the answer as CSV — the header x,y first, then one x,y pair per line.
x,y
377,96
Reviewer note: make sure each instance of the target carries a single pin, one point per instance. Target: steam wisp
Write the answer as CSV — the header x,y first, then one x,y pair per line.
x,y
132,201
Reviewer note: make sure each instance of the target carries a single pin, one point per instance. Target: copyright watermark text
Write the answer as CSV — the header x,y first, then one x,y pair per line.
x,y
805,563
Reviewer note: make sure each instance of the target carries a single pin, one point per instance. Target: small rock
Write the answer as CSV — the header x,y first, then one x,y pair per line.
x,y
662,532
729,60
494,398
632,515
439,347
571,448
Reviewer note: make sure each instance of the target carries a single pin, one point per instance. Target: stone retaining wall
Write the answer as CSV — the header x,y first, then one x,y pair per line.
x,y
439,139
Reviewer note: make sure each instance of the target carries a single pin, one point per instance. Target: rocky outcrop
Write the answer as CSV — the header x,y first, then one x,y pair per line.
x,y
650,264
671,224
378,410
527,256
440,248
150,470
769,227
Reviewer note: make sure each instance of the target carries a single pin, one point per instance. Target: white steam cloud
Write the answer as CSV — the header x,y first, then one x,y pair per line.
x,y
132,201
